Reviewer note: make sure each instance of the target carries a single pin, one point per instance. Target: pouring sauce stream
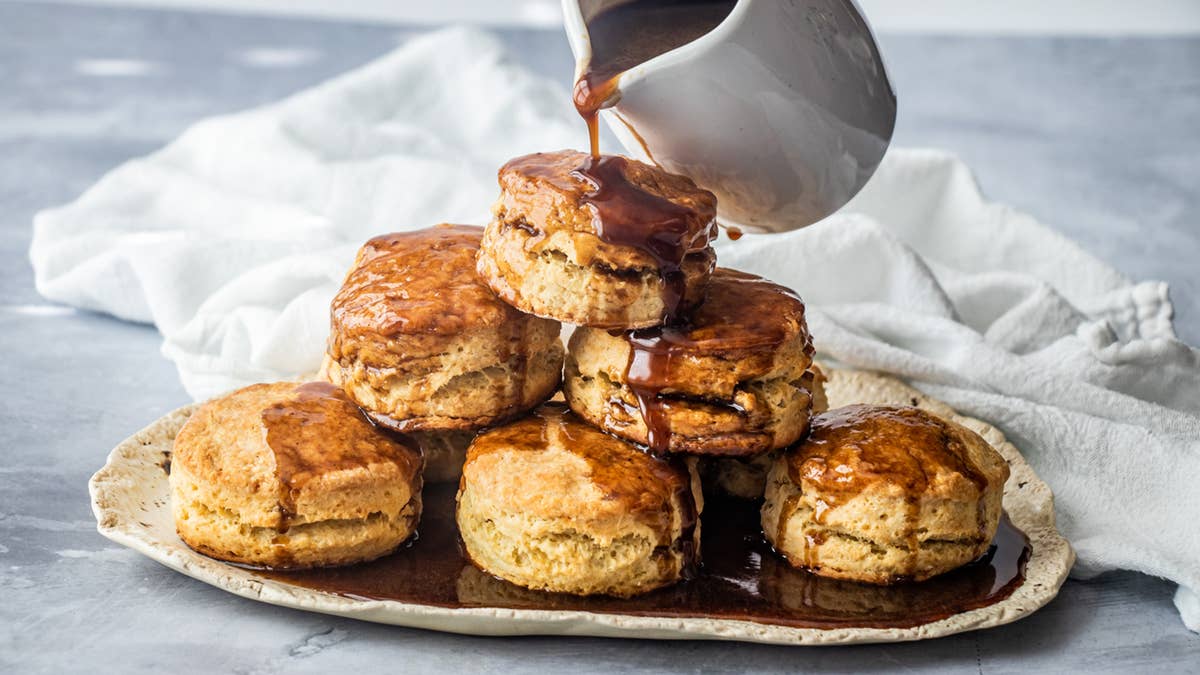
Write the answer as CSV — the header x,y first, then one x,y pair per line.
x,y
630,34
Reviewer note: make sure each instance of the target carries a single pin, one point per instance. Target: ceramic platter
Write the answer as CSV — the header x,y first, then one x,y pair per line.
x,y
130,498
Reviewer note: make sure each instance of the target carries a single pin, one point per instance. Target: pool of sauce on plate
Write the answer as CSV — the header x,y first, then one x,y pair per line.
x,y
740,311
741,578
630,34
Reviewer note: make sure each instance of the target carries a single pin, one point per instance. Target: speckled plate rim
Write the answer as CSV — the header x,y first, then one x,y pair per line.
x,y
130,498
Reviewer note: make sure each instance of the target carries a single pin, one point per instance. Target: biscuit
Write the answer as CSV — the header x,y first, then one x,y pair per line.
x,y
550,503
444,453
627,254
880,494
421,343
746,477
733,381
291,476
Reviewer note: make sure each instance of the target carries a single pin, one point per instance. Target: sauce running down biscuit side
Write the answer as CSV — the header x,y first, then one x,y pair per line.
x,y
646,486
859,447
665,217
740,313
626,215
318,431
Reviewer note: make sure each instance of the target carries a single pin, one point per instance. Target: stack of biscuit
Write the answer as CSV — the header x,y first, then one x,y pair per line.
x,y
680,376
602,494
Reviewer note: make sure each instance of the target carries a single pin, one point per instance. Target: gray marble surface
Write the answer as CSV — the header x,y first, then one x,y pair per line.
x,y
1096,136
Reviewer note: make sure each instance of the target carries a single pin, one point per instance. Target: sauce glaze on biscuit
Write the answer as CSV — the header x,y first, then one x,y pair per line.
x,y
421,343
732,380
884,493
551,503
291,475
605,242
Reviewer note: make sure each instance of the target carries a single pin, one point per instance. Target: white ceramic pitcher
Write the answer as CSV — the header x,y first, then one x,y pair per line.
x,y
784,110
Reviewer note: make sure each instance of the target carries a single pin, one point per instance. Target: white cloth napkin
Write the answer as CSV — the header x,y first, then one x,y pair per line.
x,y
233,239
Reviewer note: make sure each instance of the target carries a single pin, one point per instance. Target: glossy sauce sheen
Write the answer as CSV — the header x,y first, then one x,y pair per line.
x,y
319,431
741,579
852,448
421,282
624,214
630,34
413,283
646,486
740,312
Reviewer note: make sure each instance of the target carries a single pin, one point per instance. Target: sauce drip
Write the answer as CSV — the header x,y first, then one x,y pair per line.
x,y
320,430
852,448
741,579
625,214
650,355
638,137
630,34
740,311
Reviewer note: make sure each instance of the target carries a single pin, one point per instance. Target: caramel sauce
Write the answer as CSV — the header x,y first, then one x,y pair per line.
x,y
415,283
631,205
740,312
852,448
625,214
741,579
630,34
644,485
593,91
319,431
637,137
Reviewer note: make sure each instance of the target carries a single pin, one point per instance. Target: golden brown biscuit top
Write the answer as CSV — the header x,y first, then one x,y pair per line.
x,y
855,448
743,319
559,174
417,282
631,482
316,429
740,311
286,435
641,215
